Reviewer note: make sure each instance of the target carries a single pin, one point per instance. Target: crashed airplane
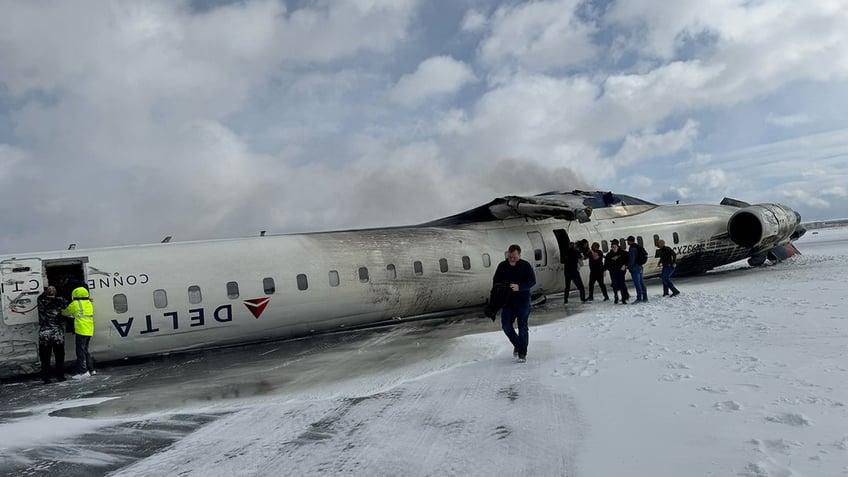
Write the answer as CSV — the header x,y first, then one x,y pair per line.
x,y
178,296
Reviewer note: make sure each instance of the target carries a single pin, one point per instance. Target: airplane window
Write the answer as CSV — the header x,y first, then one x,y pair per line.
x,y
640,242
656,239
363,274
466,262
418,268
119,303
268,285
194,295
537,254
160,298
604,246
443,265
622,243
676,238
391,273
487,260
232,290
334,278
302,282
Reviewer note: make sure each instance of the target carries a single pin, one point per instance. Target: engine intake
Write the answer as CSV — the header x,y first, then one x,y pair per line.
x,y
762,226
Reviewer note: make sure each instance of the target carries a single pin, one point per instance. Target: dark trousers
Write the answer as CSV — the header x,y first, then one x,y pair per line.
x,y
46,350
521,312
84,361
597,276
618,284
574,276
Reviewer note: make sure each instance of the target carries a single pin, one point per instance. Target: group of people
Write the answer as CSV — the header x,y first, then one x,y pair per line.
x,y
514,278
54,309
620,259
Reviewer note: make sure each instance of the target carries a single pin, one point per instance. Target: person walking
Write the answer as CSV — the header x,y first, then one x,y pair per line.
x,y
571,260
521,278
668,262
616,263
51,334
636,257
596,271
82,311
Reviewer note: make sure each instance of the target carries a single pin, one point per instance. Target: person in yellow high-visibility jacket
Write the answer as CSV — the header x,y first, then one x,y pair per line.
x,y
82,311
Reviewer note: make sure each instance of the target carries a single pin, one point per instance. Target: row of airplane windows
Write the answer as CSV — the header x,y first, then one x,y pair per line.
x,y
195,296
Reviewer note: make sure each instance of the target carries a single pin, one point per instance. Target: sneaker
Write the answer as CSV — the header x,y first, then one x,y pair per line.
x,y
591,298
515,353
606,298
93,372
522,359
675,293
81,375
616,300
624,301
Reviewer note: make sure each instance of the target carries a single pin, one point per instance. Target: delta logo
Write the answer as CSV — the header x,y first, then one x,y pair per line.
x,y
257,305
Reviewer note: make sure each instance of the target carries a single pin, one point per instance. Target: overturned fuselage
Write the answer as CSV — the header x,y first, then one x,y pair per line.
x,y
163,298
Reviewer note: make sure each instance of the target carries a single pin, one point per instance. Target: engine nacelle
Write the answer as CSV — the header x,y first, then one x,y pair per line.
x,y
763,226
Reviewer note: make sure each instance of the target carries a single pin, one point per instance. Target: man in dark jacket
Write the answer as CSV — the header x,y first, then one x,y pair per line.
x,y
51,334
636,270
521,278
616,263
571,260
668,262
596,271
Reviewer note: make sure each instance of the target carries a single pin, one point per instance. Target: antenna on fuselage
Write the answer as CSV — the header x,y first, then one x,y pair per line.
x,y
72,246
261,233
166,239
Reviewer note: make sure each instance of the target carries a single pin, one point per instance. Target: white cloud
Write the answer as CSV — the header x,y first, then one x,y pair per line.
x,y
836,191
788,120
540,36
799,196
651,145
436,76
10,158
474,21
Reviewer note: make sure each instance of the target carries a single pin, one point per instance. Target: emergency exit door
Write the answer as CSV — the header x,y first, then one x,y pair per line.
x,y
21,284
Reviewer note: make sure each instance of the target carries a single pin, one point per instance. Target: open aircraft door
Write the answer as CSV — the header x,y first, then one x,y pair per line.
x,y
21,281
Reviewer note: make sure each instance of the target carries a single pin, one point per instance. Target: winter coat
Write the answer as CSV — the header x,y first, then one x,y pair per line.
x,y
51,323
82,311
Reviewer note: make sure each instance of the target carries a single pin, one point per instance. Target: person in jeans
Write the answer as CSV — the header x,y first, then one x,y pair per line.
x,y
636,270
521,278
668,262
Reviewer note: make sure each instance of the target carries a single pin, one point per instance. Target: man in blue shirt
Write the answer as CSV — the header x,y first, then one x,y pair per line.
x,y
521,278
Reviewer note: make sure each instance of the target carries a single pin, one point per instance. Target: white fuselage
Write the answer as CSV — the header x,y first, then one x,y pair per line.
x,y
162,298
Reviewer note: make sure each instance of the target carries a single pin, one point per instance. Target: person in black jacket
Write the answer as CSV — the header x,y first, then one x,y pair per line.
x,y
596,271
633,251
51,334
521,278
668,262
571,259
616,263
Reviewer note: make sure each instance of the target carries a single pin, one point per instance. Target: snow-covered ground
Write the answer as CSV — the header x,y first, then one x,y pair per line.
x,y
745,373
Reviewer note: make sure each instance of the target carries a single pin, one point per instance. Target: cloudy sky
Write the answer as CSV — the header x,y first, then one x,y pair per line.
x,y
123,122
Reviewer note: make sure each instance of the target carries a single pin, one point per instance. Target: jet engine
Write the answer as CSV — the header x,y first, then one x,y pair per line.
x,y
764,226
